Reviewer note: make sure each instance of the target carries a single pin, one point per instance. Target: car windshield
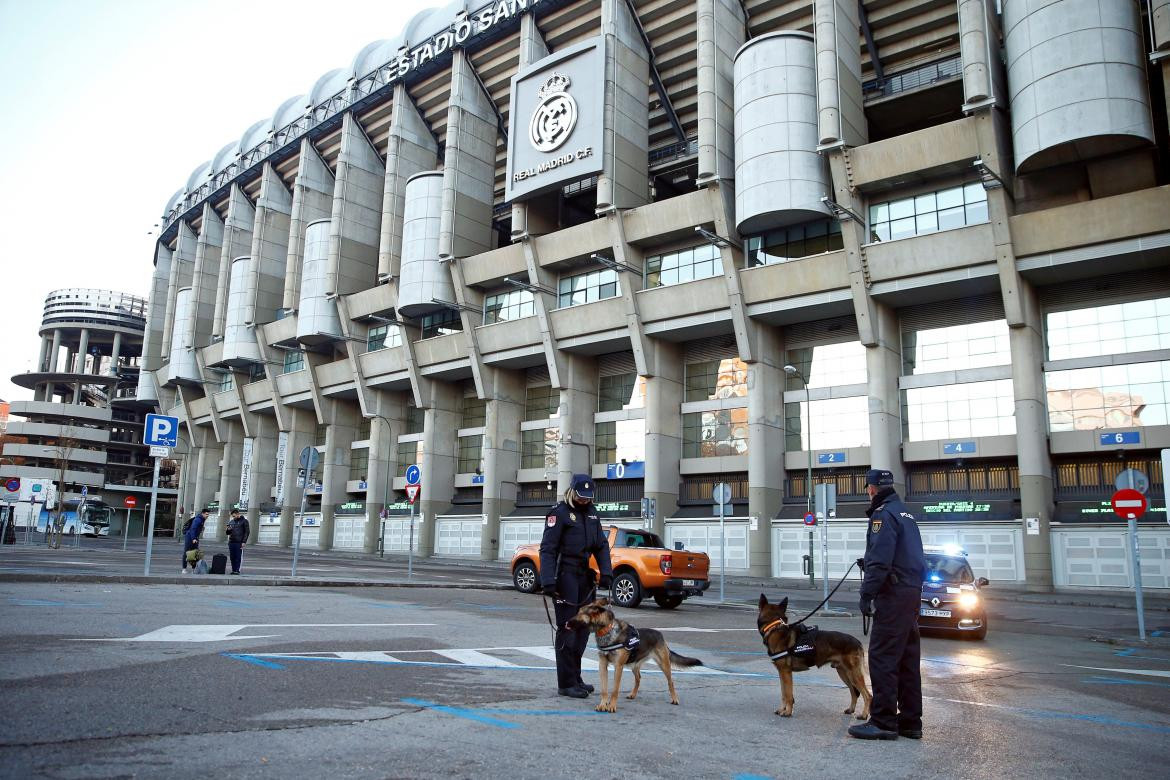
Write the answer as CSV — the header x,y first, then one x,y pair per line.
x,y
944,568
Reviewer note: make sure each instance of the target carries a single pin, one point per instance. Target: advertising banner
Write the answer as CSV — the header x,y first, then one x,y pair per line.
x,y
281,456
246,472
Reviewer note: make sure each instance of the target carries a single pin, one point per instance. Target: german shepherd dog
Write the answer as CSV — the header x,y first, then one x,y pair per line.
x,y
621,644
842,651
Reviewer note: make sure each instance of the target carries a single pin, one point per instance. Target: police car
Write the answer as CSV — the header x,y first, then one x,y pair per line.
x,y
950,594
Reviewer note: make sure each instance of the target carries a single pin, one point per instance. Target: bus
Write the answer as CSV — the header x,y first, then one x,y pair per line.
x,y
95,518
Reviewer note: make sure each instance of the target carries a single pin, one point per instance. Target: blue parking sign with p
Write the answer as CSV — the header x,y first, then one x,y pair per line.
x,y
161,431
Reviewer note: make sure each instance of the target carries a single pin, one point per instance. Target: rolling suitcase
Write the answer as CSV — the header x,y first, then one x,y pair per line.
x,y
219,564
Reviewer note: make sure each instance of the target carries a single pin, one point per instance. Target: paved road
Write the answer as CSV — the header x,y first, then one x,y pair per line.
x,y
169,680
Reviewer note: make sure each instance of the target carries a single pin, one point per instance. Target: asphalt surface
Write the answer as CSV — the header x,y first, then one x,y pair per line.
x,y
108,679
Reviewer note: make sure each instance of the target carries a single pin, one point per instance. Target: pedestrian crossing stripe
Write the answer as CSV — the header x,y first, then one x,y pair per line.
x,y
508,658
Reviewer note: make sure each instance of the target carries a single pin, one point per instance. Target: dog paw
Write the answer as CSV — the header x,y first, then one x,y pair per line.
x,y
784,713
675,702
849,711
630,697
863,716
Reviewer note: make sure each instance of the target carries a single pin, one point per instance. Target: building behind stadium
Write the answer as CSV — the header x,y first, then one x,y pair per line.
x,y
675,243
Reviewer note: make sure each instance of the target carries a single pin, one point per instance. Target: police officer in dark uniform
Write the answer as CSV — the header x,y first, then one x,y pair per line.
x,y
894,566
573,533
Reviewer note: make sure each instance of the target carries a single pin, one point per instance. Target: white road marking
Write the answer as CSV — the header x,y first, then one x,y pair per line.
x,y
549,654
473,657
366,656
223,633
1143,672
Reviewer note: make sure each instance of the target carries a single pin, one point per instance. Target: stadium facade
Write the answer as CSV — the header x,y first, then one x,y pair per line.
x,y
683,242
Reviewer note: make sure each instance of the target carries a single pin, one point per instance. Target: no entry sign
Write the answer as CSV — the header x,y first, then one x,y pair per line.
x,y
1128,504
130,501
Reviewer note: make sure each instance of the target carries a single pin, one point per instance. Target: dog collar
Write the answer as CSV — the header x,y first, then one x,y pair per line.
x,y
603,641
770,627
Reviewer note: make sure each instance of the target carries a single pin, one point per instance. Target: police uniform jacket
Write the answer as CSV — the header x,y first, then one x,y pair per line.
x,y
893,547
571,535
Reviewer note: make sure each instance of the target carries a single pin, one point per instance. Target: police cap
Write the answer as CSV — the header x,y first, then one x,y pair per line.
x,y
879,477
583,485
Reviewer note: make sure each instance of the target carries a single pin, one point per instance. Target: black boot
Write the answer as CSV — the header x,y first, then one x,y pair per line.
x,y
574,692
871,731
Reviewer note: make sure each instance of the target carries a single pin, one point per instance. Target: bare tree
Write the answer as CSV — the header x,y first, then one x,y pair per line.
x,y
64,450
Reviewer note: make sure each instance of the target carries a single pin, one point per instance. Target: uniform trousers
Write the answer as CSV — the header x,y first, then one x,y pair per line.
x,y
573,586
894,660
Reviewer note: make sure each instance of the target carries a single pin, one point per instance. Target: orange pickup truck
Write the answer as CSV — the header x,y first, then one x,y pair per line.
x,y
642,567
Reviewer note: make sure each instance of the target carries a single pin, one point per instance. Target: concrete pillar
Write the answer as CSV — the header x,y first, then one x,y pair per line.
x,y
578,432
55,351
181,272
357,213
974,52
152,335
384,432
883,361
469,165
116,352
340,431
205,277
840,116
270,235
765,447
501,454
262,470
664,397
43,360
439,460
311,200
237,242
527,218
82,351
229,477
1035,464
410,149
720,31
302,428
206,479
623,183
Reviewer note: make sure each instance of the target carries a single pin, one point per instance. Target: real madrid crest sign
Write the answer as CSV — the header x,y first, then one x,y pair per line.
x,y
555,115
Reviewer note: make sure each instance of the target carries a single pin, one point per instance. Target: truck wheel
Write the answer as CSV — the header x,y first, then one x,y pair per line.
x,y
668,602
626,591
524,577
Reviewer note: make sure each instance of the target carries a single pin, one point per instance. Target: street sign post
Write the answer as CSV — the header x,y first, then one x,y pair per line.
x,y
130,502
721,495
1130,504
825,504
412,492
309,457
160,433
413,480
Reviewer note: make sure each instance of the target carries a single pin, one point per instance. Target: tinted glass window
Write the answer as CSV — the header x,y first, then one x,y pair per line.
x,y
943,568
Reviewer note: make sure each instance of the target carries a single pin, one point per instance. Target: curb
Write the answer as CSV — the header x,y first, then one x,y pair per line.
x,y
232,582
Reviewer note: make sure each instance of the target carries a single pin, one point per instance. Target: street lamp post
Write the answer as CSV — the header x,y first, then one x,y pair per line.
x,y
792,371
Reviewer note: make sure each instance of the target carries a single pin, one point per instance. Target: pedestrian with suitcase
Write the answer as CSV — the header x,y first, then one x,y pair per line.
x,y
238,531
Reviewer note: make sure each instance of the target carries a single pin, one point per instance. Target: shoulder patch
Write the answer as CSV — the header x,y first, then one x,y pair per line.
x,y
875,526
550,521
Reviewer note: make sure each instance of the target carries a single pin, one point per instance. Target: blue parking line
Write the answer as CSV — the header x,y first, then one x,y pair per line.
x,y
1119,681
1132,653
743,776
462,713
251,659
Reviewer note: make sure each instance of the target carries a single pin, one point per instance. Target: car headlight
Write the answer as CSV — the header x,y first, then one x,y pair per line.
x,y
968,601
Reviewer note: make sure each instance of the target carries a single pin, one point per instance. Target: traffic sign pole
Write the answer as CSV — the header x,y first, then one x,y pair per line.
x,y
150,524
1131,504
413,477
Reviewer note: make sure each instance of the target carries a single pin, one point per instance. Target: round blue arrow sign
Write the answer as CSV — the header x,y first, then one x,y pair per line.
x,y
413,474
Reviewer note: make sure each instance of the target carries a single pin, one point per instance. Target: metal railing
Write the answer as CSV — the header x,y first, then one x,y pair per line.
x,y
914,78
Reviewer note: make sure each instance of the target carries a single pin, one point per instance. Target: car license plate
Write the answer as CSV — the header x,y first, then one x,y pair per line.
x,y
934,613
688,583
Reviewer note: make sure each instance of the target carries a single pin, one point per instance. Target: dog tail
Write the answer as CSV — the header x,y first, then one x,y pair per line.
x,y
682,660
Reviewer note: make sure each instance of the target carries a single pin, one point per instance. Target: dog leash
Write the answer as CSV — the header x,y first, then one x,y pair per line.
x,y
826,600
545,598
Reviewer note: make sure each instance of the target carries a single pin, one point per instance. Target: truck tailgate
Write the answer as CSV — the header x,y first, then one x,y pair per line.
x,y
691,566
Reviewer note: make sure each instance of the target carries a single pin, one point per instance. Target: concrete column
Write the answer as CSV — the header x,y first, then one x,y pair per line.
x,y
311,200
302,428
205,277
1035,464
578,432
532,48
229,477
384,432
262,472
55,350
82,351
357,213
206,479
339,436
664,397
181,273
721,31
152,335
410,149
270,235
469,165
237,242
116,352
439,460
883,361
501,455
974,51
43,360
765,447
840,116
623,183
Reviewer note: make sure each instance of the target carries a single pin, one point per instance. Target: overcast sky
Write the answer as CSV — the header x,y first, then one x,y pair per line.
x,y
109,105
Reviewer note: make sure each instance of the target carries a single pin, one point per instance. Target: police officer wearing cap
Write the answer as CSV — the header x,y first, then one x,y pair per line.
x,y
572,534
894,566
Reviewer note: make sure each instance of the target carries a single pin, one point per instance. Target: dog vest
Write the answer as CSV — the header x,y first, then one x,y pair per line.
x,y
805,647
631,642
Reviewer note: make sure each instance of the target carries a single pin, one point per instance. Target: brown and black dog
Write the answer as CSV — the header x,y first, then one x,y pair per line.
x,y
842,651
621,644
